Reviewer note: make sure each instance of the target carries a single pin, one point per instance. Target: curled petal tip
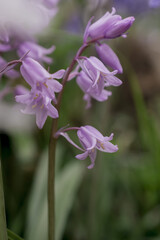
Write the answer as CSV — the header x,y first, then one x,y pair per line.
x,y
86,33
113,10
91,166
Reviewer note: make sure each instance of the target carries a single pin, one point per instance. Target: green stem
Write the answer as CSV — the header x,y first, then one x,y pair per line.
x,y
3,228
51,182
52,151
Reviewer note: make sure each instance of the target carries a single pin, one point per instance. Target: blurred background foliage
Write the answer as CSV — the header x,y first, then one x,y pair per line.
x,y
120,198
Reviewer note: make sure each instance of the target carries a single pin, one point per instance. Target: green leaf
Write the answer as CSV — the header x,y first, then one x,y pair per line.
x,y
66,185
148,132
13,236
3,232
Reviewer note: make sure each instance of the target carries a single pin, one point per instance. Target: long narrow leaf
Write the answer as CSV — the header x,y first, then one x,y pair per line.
x,y
13,236
67,183
3,230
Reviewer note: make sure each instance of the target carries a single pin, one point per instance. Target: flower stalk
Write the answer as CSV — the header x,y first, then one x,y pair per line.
x,y
52,146
51,189
3,228
52,152
100,142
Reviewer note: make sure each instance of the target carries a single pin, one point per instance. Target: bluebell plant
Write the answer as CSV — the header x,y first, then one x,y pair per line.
x,y
43,98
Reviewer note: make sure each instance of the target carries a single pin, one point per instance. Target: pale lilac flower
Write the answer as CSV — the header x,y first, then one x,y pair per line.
x,y
109,26
36,51
74,73
39,78
50,3
4,36
5,47
20,90
108,57
5,91
10,73
94,77
39,105
91,140
86,33
47,3
86,84
98,73
154,3
43,89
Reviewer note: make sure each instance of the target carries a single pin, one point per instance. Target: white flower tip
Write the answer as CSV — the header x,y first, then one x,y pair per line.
x,y
91,166
116,148
39,126
114,72
132,19
113,11
120,70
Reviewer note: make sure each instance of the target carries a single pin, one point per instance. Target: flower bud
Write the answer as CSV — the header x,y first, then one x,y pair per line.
x,y
108,57
110,26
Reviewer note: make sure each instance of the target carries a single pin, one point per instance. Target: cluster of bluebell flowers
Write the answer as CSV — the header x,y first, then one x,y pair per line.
x,y
14,37
92,76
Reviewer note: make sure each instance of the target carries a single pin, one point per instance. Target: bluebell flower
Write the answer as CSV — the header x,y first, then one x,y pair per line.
x,y
154,3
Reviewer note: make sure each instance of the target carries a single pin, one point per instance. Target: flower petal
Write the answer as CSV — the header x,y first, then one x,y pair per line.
x,y
54,85
25,99
70,140
107,147
92,156
94,132
86,33
98,64
59,74
82,156
103,96
41,116
87,140
52,111
109,138
20,90
108,57
97,29
33,72
36,51
83,81
119,28
87,98
5,47
112,81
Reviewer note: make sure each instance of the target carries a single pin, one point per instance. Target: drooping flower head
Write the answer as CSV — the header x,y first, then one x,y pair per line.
x,y
38,101
39,78
9,73
109,26
98,73
91,140
38,104
94,77
35,51
108,57
86,84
